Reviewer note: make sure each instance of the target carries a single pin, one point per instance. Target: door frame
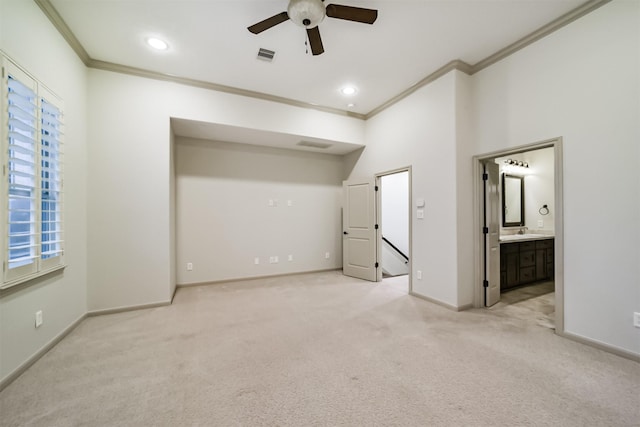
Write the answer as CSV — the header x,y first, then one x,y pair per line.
x,y
378,178
478,186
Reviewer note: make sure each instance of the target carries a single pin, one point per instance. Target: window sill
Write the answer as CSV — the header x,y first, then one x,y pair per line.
x,y
24,280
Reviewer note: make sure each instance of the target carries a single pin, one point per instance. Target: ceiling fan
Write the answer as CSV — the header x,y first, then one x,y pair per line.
x,y
309,13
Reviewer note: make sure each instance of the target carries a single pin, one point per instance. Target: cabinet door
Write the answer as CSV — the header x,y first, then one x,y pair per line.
x,y
541,264
527,258
527,274
512,270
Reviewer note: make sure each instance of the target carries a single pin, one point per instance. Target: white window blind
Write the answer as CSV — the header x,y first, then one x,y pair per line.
x,y
33,238
51,180
21,169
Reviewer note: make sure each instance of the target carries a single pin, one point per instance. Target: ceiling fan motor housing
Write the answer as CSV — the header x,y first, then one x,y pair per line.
x,y
306,13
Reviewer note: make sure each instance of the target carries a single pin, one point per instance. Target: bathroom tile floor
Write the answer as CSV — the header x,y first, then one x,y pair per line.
x,y
537,301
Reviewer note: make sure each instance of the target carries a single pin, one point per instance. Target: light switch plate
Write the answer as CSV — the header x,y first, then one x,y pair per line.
x,y
636,320
38,318
420,214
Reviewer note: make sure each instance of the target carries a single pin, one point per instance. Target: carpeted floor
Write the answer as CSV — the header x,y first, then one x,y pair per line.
x,y
320,349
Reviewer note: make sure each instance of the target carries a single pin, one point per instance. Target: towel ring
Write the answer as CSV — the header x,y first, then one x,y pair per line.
x,y
544,210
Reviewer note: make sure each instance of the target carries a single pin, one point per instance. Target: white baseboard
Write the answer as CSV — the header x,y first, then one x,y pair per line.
x,y
128,308
442,304
239,279
601,346
38,354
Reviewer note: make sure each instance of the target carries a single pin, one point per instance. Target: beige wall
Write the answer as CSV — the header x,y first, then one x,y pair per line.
x,y
582,83
224,220
60,296
538,187
420,131
130,257
555,87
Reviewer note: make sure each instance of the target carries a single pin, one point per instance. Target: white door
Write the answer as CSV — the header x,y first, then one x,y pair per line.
x,y
492,237
359,229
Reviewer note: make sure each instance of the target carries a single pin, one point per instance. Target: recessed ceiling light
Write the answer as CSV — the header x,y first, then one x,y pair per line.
x,y
351,105
157,43
348,90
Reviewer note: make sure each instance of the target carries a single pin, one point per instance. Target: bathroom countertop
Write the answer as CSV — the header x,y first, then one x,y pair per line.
x,y
524,237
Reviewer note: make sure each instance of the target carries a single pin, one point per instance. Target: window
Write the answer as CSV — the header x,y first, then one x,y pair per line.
x,y
32,178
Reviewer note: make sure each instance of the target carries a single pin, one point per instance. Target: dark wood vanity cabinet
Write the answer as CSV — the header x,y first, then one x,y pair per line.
x,y
525,262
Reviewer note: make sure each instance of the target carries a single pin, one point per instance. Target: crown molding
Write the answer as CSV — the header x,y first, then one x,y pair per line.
x,y
140,72
65,31
62,27
453,65
540,33
459,65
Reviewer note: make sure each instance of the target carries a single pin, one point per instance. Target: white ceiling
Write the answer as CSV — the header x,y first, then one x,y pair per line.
x,y
209,41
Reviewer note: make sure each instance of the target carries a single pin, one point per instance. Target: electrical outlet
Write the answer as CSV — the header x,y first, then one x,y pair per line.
x,y
290,257
38,318
189,266
636,319
541,223
327,255
256,260
289,203
419,274
273,260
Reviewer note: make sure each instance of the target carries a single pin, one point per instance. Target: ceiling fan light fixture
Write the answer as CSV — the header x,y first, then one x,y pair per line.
x,y
306,13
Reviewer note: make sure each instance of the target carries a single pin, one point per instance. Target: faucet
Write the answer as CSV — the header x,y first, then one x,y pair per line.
x,y
523,230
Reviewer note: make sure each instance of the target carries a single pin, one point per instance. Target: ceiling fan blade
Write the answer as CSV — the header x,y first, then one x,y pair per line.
x,y
350,13
315,41
268,23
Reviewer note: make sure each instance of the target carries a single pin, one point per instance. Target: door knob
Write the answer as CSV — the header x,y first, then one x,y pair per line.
x,y
344,232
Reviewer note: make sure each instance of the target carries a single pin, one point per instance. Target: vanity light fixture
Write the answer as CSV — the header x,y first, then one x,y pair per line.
x,y
157,43
519,163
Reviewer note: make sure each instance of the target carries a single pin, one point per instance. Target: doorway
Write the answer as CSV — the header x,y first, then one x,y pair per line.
x,y
366,218
520,265
394,237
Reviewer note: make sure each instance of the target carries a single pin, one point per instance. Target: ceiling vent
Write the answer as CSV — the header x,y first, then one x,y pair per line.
x,y
321,145
266,54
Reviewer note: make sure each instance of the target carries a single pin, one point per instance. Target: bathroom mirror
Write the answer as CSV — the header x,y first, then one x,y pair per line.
x,y
512,200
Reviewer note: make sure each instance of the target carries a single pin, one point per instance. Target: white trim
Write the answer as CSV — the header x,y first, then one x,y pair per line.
x,y
556,143
601,346
441,303
378,177
12,376
122,309
248,278
23,279
52,14
39,266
